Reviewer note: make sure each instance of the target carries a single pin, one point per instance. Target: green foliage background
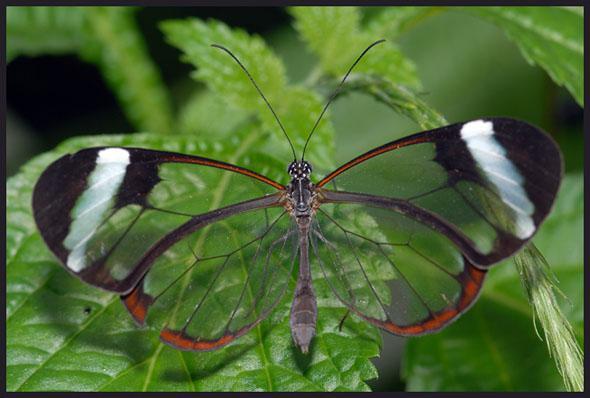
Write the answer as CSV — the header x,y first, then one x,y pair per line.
x,y
468,60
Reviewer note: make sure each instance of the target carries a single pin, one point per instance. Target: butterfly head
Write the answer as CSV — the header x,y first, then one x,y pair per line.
x,y
299,170
300,190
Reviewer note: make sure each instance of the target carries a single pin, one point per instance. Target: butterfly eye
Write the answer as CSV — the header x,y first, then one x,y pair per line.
x,y
307,169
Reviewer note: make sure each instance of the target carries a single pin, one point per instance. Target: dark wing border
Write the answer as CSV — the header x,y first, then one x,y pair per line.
x,y
505,244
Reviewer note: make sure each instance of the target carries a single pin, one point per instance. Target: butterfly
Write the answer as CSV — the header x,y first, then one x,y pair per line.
x,y
402,235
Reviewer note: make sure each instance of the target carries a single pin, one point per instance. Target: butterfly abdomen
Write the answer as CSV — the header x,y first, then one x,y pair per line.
x,y
304,309
303,315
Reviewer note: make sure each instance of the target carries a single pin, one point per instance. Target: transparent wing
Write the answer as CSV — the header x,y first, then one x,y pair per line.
x,y
108,213
486,184
199,248
392,270
219,282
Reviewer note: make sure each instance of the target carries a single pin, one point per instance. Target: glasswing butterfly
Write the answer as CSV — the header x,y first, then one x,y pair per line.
x,y
403,234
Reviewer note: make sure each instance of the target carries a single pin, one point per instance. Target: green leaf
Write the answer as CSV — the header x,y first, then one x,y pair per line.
x,y
121,53
551,37
565,223
491,348
205,113
335,36
494,346
218,71
393,21
105,36
63,334
36,31
296,107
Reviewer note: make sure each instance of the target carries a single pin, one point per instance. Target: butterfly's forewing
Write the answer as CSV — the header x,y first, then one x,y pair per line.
x,y
392,270
107,213
160,227
486,184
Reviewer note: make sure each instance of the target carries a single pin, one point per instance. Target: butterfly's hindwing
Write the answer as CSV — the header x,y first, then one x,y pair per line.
x,y
391,270
221,281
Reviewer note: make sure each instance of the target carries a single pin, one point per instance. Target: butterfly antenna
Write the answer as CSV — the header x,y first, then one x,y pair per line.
x,y
336,92
259,92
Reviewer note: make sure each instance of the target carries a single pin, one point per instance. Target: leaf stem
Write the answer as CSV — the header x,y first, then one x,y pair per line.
x,y
120,51
397,97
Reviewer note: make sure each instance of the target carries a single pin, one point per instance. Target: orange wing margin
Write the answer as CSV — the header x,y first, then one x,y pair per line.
x,y
472,280
182,341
